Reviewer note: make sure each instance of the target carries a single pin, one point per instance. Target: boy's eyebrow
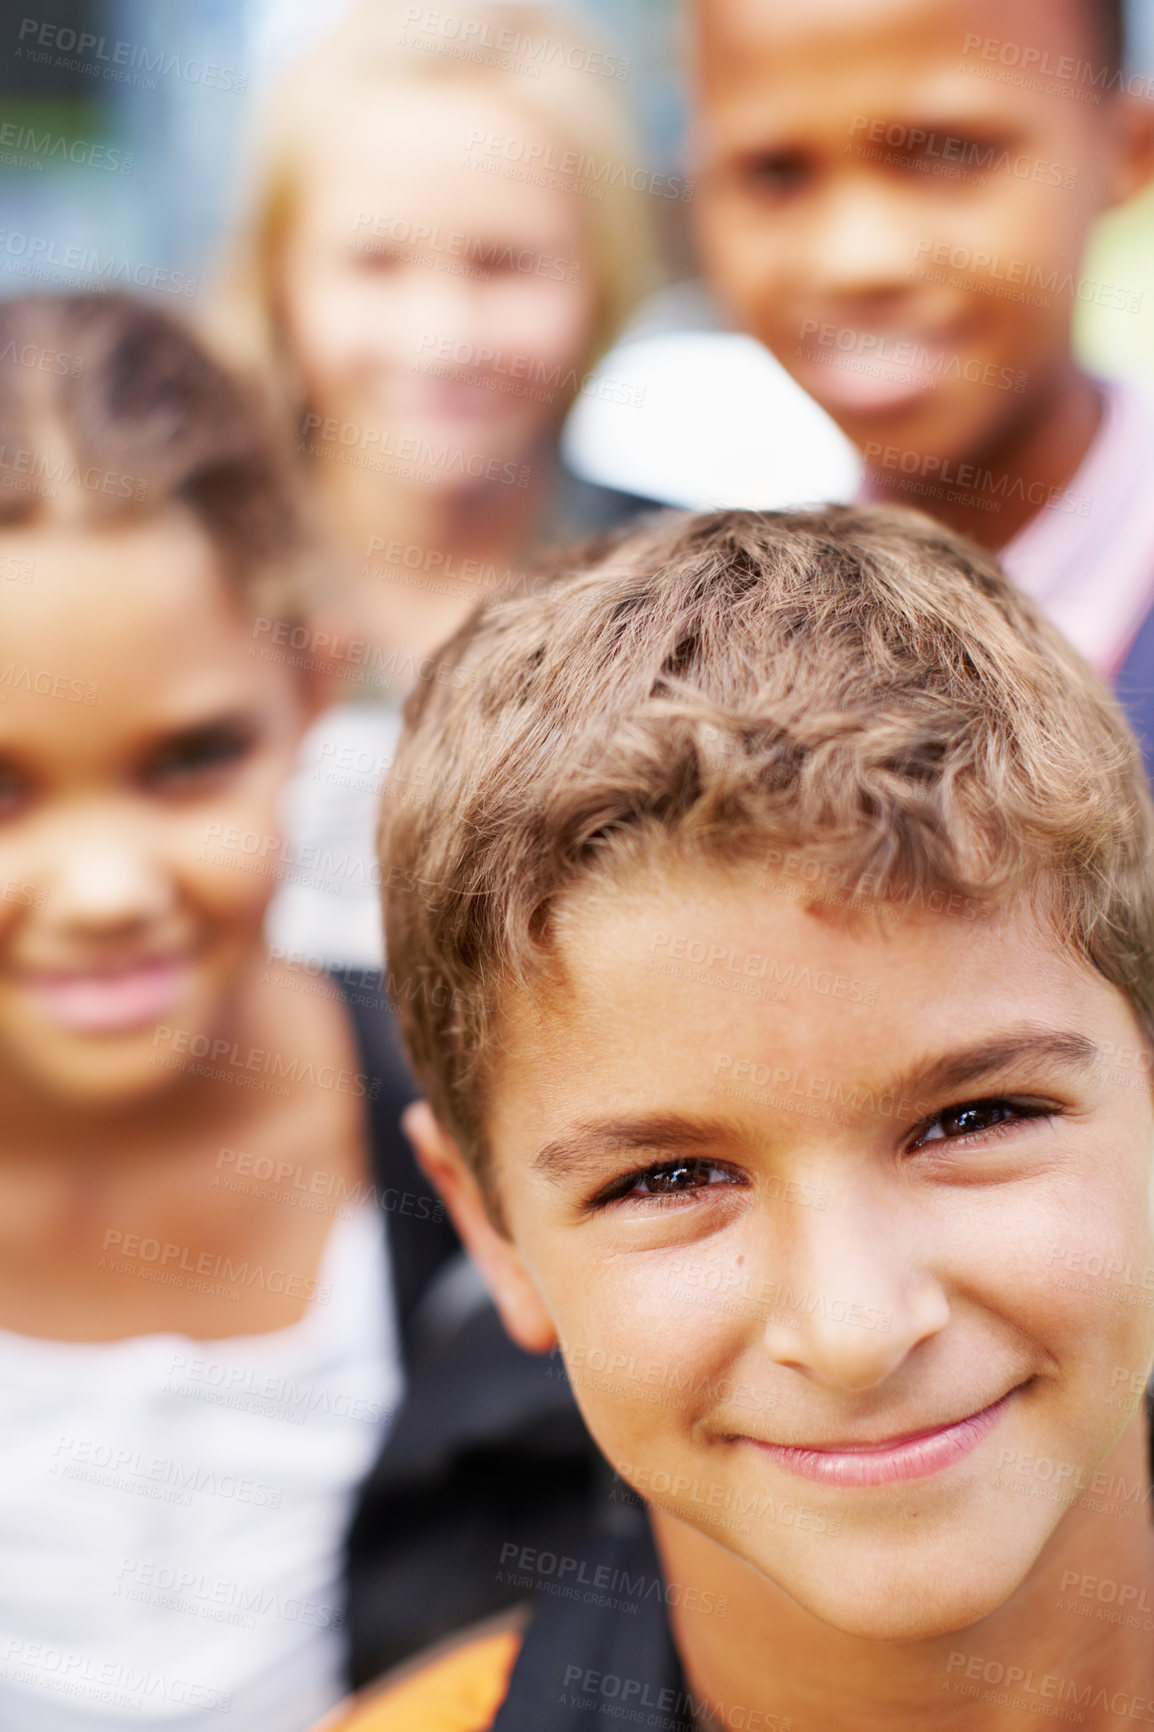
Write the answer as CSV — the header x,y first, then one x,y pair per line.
x,y
1063,1047
586,1147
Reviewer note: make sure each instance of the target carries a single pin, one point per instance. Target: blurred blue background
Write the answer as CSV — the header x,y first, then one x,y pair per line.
x,y
122,127
135,160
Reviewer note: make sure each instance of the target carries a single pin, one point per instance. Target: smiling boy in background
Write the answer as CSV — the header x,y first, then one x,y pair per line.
x,y
895,197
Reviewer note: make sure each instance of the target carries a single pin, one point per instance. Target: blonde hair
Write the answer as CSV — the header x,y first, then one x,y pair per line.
x,y
563,94
858,685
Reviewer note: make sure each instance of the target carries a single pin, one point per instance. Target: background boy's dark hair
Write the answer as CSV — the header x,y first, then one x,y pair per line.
x,y
1109,17
112,411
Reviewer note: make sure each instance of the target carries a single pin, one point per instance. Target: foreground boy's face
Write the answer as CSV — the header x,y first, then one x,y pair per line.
x,y
138,733
900,218
791,1187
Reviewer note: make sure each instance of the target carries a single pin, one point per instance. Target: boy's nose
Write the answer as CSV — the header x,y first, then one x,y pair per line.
x,y
850,1300
863,243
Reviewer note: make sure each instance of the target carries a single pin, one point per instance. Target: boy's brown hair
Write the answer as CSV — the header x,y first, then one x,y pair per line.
x,y
111,410
858,685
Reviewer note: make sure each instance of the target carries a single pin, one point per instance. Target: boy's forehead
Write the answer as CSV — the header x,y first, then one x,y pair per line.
x,y
741,40
791,905
664,982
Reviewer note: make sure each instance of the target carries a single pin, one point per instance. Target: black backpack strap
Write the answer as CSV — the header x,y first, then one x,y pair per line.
x,y
487,1452
600,1644
421,1237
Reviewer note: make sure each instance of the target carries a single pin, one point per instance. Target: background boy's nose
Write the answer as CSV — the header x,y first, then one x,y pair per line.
x,y
863,242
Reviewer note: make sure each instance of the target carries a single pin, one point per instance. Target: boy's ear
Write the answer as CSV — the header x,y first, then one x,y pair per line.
x,y
1134,157
514,1291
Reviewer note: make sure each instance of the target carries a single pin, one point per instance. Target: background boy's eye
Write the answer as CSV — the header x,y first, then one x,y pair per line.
x,y
13,789
774,173
196,755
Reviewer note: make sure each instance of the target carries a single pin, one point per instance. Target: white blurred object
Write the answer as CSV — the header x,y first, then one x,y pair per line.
x,y
282,31
707,420
327,909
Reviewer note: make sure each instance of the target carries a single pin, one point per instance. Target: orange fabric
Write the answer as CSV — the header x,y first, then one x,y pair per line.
x,y
460,1692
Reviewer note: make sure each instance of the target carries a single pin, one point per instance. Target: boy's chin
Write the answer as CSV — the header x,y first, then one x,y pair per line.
x,y
942,431
910,1613
898,1594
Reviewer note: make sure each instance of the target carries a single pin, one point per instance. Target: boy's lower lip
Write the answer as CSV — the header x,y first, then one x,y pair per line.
x,y
914,1456
113,1002
839,389
877,381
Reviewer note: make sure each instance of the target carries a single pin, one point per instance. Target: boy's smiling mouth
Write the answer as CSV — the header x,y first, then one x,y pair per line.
x,y
886,367
911,1455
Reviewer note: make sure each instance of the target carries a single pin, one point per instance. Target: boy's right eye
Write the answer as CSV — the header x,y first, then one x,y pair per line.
x,y
13,791
669,1180
773,174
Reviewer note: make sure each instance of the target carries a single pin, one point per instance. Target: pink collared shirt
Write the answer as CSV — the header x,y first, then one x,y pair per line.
x,y
1087,555
1087,558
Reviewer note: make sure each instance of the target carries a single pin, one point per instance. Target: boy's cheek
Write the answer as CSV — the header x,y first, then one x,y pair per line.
x,y
1084,1291
746,262
644,1366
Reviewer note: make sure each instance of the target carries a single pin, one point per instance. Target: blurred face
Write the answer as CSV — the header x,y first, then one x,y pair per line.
x,y
427,300
853,1219
134,728
899,217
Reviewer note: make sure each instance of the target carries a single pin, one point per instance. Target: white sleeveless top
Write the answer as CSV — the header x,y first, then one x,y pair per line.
x,y
172,1512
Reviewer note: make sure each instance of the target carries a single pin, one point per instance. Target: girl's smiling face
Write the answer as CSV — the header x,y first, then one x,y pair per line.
x,y
428,303
842,1231
137,729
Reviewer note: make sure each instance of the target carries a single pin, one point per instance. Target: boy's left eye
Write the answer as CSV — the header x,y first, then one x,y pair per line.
x,y
972,1118
201,753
